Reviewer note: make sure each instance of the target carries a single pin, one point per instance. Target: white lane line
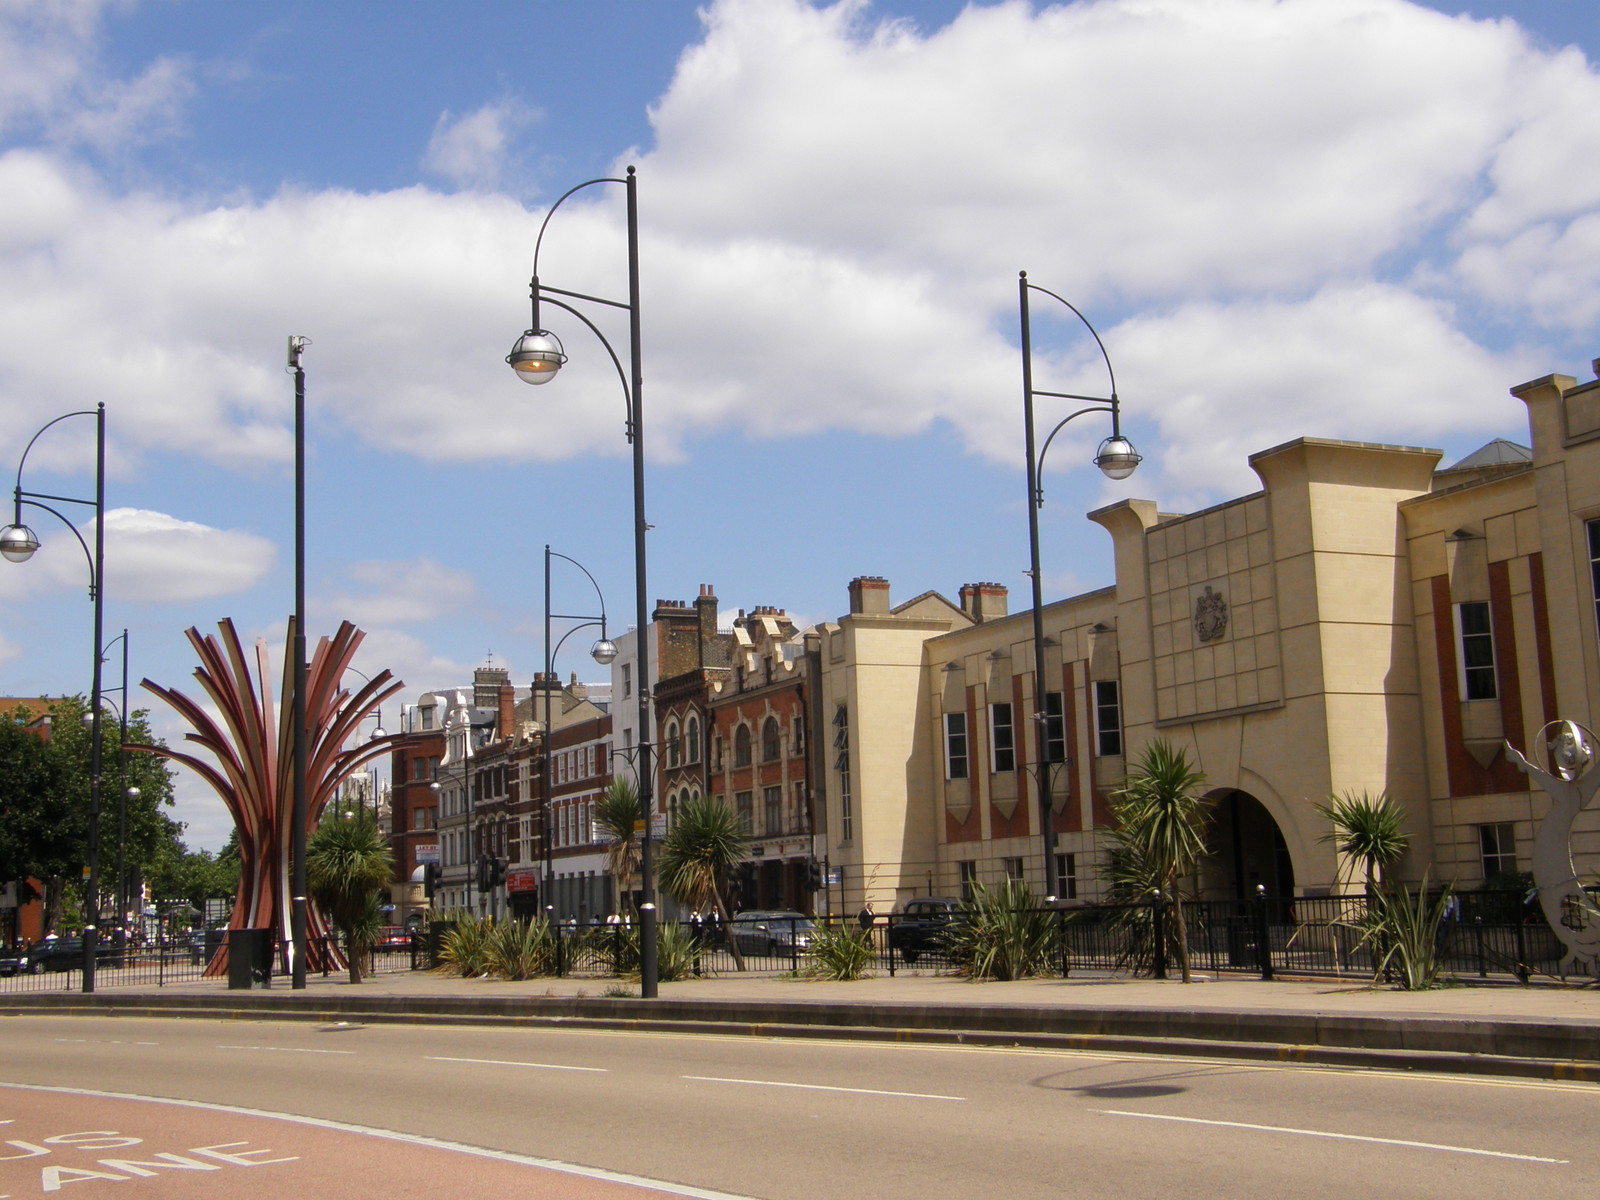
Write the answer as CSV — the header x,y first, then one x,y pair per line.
x,y
1343,1137
501,1062
660,1185
820,1087
286,1049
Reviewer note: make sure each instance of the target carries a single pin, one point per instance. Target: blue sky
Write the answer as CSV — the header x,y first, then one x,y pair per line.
x,y
1337,218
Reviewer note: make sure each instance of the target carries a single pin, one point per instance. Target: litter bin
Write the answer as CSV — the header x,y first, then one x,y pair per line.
x,y
437,932
249,958
1242,950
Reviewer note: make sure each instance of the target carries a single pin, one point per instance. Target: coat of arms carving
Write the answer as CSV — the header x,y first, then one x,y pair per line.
x,y
1210,615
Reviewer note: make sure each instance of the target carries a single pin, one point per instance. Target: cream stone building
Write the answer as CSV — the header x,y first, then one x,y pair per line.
x,y
1365,622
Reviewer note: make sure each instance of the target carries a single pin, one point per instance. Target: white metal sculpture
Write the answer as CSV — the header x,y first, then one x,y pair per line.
x,y
1569,910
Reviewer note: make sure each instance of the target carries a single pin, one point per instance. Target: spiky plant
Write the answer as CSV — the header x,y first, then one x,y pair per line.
x,y
1161,819
1405,934
348,863
675,952
617,815
1369,833
1002,934
520,949
464,950
700,850
840,952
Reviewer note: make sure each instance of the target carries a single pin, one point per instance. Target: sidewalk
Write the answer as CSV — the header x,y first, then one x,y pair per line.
x,y
1542,1030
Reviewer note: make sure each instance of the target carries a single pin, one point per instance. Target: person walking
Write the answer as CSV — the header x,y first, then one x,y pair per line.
x,y
866,916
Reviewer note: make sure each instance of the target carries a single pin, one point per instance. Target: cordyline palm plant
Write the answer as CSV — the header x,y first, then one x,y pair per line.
x,y
348,864
700,850
1161,822
1369,832
617,814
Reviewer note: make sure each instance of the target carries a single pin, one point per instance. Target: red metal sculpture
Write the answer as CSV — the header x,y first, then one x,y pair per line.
x,y
254,774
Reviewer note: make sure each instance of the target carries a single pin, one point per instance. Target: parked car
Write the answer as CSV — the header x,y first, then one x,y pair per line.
x,y
919,928
771,933
392,937
65,954
13,960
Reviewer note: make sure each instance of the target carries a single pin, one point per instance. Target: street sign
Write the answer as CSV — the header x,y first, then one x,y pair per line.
x,y
428,854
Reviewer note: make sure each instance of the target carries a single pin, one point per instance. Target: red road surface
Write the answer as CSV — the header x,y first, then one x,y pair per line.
x,y
53,1140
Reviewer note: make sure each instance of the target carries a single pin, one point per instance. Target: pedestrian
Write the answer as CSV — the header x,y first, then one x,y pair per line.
x,y
866,916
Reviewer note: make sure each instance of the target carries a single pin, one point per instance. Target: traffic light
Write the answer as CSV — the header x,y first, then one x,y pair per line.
x,y
814,875
485,872
430,878
497,871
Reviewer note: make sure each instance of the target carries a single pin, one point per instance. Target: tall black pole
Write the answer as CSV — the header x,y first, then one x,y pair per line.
x,y
122,803
547,888
297,919
1035,499
91,903
647,905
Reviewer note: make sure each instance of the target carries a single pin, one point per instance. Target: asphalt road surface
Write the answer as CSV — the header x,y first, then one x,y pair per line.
x,y
130,1107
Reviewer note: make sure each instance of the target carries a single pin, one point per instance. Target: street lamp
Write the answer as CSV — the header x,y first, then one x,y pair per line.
x,y
125,793
1116,459
465,721
378,734
536,358
18,543
298,735
603,652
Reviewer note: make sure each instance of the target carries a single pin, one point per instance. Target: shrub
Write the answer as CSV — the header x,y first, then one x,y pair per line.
x,y
840,952
465,948
1002,935
1405,931
520,949
675,952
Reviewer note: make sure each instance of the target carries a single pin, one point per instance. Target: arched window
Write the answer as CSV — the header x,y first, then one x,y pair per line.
x,y
692,737
672,744
741,746
771,744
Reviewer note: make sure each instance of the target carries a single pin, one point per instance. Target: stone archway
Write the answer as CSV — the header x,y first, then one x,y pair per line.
x,y
1246,849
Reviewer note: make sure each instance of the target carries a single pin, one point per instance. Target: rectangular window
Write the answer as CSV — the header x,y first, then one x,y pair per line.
x,y
772,810
955,745
1013,868
1497,846
1066,877
1002,739
742,804
1055,729
1594,564
846,814
1108,717
627,680
969,878
1477,650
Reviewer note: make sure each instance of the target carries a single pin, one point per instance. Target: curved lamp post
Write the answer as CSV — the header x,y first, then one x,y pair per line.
x,y
378,734
437,788
536,358
1116,459
603,652
18,543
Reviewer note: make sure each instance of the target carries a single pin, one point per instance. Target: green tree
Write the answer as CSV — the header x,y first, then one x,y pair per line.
x,y
45,798
617,814
348,865
1161,822
699,852
1369,832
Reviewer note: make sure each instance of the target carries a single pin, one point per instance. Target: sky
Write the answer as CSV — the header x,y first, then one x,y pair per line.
x,y
1361,219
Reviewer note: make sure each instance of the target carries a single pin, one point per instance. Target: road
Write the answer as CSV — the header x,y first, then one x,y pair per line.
x,y
743,1117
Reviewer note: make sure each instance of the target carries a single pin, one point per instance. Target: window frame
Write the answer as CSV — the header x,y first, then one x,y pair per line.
x,y
957,762
1002,738
1478,680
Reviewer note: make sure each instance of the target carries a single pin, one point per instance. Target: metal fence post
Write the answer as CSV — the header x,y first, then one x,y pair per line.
x,y
1158,915
1263,932
1522,971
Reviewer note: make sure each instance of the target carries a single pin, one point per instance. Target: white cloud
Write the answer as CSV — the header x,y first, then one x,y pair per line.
x,y
157,559
394,593
845,257
471,150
